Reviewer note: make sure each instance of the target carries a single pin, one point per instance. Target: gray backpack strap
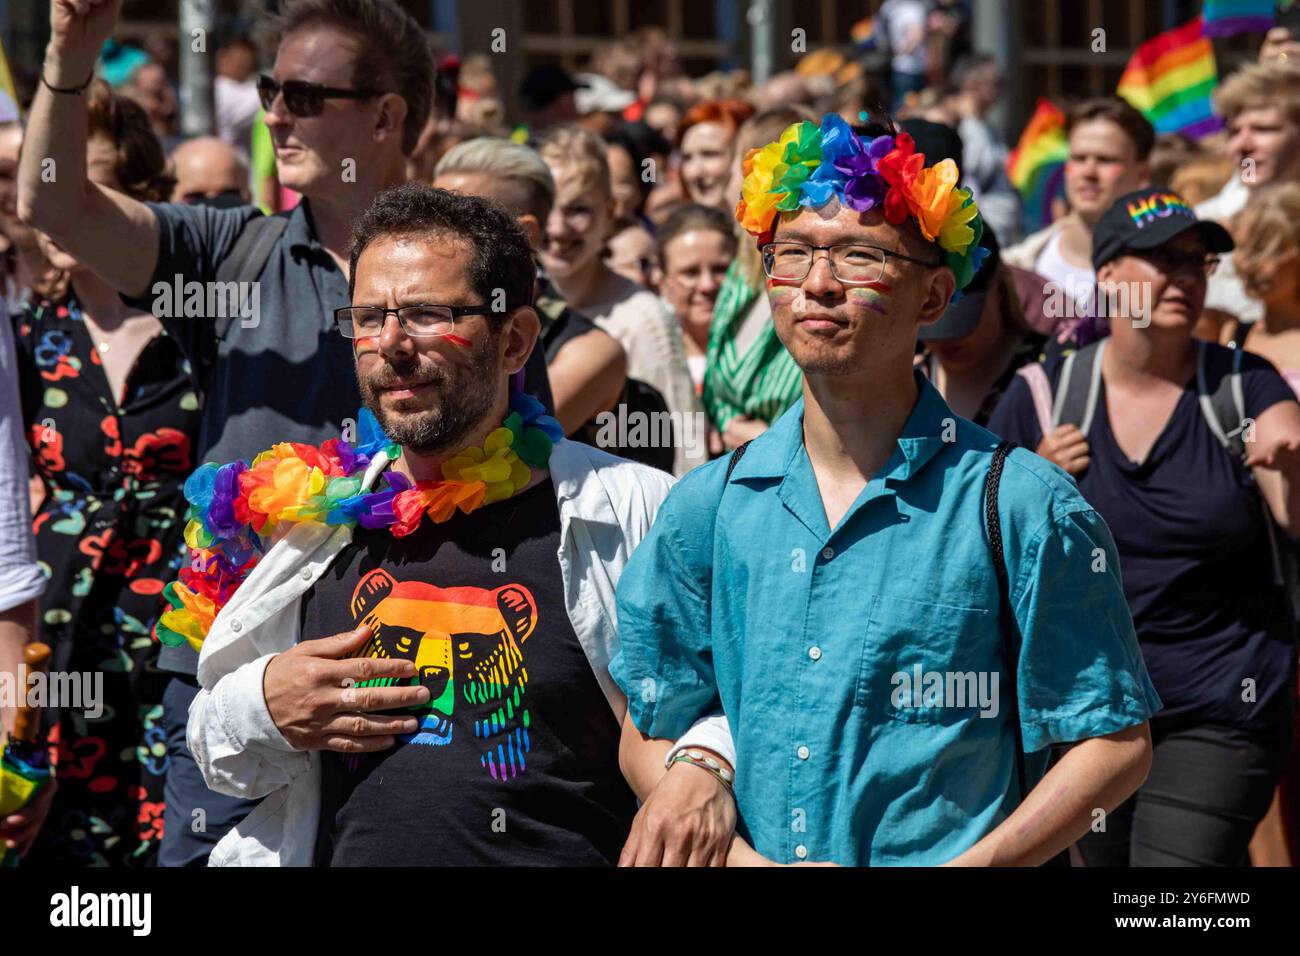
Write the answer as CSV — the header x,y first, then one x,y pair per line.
x,y
1078,388
1224,408
248,256
1224,411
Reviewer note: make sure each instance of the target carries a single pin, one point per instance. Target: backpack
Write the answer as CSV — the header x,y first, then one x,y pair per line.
x,y
1074,402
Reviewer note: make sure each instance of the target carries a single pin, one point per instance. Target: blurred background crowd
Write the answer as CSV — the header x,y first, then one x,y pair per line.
x,y
616,132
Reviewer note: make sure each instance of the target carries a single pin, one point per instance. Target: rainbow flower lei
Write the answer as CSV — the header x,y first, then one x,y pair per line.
x,y
809,165
237,511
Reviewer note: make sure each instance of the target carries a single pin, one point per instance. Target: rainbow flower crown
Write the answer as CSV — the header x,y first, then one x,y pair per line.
x,y
809,165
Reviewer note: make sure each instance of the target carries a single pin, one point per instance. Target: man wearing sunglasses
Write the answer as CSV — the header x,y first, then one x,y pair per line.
x,y
832,587
341,130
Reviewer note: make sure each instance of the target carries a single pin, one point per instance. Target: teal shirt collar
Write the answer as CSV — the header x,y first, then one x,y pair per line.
x,y
775,453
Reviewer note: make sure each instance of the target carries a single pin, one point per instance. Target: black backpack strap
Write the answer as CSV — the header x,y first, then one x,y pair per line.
x,y
1006,615
1078,388
248,256
736,455
1224,408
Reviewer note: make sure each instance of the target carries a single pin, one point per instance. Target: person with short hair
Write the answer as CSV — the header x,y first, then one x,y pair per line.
x,y
431,688
833,588
209,170
1191,452
1260,104
1110,144
585,366
345,101
573,258
704,143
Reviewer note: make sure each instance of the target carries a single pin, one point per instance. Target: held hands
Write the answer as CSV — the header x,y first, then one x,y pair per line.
x,y
686,821
311,695
1066,447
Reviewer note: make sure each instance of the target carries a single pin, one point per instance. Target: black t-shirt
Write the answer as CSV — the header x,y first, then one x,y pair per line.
x,y
516,758
1194,553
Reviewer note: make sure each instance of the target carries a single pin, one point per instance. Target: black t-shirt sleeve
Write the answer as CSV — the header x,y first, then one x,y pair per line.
x,y
192,242
1262,385
1014,418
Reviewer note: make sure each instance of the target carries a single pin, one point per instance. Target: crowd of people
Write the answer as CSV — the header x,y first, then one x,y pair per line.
x,y
639,483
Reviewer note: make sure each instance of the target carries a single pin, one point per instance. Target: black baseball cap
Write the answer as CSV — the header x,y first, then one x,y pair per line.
x,y
1149,218
545,84
963,316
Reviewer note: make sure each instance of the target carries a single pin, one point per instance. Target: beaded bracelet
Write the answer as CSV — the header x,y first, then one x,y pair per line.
x,y
702,760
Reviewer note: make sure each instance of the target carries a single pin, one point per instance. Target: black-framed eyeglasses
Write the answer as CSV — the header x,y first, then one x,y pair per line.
x,y
850,262
302,98
416,320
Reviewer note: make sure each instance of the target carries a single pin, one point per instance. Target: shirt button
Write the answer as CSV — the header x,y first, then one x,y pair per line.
x,y
801,851
815,653
236,626
828,553
803,753
305,574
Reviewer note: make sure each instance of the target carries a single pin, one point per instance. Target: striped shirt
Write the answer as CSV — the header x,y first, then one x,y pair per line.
x,y
763,381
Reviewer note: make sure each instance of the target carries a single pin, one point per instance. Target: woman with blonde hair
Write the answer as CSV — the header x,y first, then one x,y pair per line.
x,y
1267,259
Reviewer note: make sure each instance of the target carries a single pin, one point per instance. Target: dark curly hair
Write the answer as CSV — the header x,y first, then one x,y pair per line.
x,y
501,257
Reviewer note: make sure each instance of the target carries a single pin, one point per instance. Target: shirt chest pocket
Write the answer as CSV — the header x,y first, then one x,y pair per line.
x,y
929,663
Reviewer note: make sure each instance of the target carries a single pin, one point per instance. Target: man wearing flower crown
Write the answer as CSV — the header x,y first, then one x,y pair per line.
x,y
832,587
405,633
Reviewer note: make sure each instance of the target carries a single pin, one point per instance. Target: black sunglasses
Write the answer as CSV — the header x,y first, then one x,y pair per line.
x,y
303,98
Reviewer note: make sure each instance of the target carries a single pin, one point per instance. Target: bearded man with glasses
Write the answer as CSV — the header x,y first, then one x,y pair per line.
x,y
898,618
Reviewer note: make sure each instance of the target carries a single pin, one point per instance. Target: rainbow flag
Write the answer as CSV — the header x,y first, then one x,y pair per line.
x,y
863,34
9,108
1036,167
1227,18
1170,79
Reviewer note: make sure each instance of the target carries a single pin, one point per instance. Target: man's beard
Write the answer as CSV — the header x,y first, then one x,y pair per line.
x,y
464,395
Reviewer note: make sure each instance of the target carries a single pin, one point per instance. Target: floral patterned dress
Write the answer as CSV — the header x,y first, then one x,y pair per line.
x,y
108,536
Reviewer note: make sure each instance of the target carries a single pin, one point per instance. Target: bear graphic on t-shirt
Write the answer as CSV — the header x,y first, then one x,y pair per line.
x,y
467,647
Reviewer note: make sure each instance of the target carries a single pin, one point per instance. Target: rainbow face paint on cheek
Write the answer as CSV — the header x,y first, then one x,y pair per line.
x,y
457,340
366,344
874,295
